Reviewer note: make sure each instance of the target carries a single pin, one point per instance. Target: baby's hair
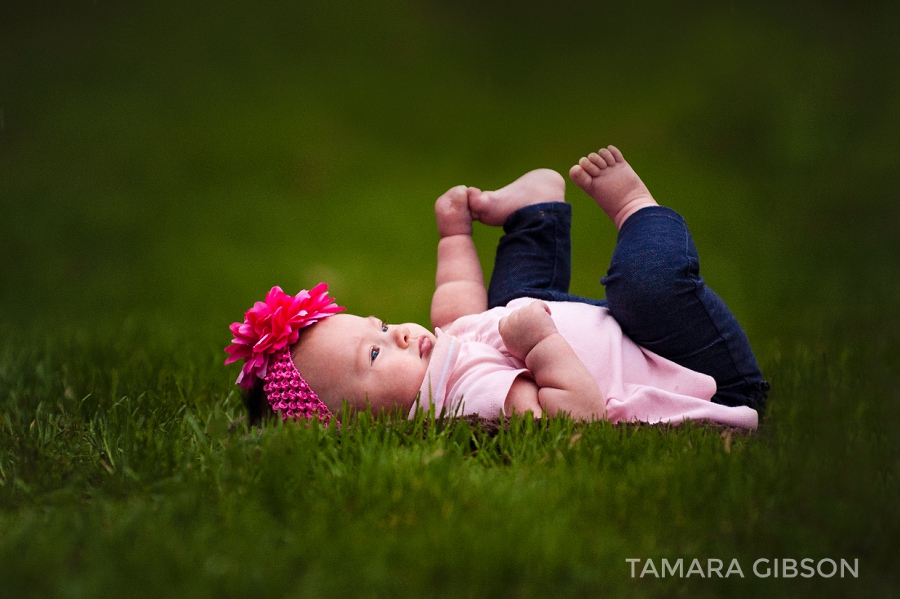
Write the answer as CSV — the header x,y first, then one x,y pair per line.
x,y
258,407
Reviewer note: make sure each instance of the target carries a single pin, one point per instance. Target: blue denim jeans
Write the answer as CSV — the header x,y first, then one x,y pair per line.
x,y
653,289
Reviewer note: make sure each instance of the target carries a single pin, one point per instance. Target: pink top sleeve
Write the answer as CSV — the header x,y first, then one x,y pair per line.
x,y
484,370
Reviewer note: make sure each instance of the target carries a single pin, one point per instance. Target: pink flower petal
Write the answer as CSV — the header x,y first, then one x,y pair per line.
x,y
274,324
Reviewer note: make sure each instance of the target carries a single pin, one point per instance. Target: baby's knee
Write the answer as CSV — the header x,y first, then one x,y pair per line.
x,y
650,278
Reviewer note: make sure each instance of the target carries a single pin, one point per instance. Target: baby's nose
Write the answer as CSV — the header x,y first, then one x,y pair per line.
x,y
401,334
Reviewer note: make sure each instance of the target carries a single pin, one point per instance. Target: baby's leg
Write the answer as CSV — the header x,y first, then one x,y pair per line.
x,y
655,291
534,256
654,288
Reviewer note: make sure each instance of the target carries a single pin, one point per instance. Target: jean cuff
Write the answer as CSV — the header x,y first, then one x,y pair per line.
x,y
648,212
526,215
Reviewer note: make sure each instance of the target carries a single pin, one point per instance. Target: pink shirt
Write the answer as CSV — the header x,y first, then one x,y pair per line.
x,y
471,371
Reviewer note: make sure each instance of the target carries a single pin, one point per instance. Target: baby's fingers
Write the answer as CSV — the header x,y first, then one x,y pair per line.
x,y
545,306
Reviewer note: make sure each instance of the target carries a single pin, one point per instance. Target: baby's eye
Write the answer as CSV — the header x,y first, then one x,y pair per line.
x,y
384,328
374,354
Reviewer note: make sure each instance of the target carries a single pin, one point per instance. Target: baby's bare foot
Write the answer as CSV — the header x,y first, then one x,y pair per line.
x,y
613,184
535,187
451,211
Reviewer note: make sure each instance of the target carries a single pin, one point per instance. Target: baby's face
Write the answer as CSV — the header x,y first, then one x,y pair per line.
x,y
362,359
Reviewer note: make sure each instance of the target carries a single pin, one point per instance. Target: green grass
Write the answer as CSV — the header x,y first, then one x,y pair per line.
x,y
161,168
144,487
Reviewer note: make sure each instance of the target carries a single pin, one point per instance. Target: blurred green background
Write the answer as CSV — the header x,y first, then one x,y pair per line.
x,y
163,164
173,160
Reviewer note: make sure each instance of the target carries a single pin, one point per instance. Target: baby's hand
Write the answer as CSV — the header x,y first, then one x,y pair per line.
x,y
526,327
451,211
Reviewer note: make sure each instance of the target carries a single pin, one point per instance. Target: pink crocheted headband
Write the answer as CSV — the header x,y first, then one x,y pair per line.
x,y
264,342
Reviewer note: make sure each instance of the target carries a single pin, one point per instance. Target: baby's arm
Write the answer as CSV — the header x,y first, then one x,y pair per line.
x,y
459,281
561,383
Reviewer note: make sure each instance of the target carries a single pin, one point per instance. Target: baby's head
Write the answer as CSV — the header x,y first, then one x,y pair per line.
x,y
363,360
342,357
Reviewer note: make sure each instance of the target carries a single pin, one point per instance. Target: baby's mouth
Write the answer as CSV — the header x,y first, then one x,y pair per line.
x,y
425,346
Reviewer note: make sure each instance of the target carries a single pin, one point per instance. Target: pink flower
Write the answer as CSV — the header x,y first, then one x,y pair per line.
x,y
274,324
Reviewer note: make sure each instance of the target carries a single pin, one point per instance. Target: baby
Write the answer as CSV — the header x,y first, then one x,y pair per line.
x,y
661,347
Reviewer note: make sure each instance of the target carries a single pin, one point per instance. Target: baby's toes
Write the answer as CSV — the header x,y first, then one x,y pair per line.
x,y
589,166
616,154
579,176
607,157
597,160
